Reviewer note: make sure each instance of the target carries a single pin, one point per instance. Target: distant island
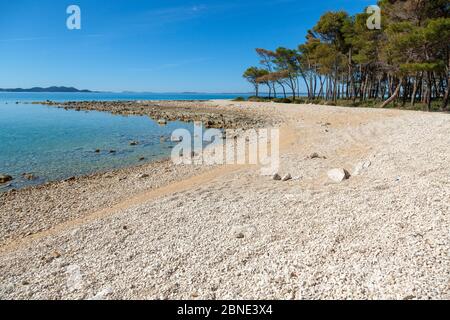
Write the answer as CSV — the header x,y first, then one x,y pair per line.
x,y
49,89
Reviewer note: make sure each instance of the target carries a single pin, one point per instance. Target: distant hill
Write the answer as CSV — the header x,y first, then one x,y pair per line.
x,y
49,89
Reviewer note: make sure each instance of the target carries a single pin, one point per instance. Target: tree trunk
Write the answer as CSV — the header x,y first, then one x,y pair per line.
x,y
414,92
430,89
362,91
393,97
321,87
292,87
307,86
390,81
405,92
284,89
350,74
376,89
445,102
335,88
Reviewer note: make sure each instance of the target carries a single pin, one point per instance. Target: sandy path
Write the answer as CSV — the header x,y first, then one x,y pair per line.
x,y
231,233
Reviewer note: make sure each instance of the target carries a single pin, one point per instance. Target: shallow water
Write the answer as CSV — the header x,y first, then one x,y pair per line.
x,y
12,97
55,144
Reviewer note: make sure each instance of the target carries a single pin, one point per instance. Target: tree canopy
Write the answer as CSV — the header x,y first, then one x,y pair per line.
x,y
407,60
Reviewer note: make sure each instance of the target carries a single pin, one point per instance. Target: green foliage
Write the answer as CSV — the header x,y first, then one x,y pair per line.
x,y
252,74
411,68
366,44
330,28
256,99
405,63
282,100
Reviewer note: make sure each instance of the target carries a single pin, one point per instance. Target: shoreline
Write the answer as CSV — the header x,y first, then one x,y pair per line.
x,y
227,232
144,175
211,114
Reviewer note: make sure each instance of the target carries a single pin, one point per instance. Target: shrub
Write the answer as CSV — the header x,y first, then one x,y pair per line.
x,y
282,100
255,99
299,101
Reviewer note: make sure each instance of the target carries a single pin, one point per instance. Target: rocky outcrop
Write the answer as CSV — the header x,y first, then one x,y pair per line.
x,y
165,111
4,178
29,176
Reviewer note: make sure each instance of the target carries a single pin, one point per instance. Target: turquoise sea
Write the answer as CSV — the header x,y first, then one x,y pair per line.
x,y
55,144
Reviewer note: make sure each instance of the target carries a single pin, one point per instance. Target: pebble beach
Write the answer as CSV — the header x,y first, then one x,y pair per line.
x,y
377,227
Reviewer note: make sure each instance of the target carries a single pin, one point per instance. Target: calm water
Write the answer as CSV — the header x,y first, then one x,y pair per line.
x,y
107,96
55,144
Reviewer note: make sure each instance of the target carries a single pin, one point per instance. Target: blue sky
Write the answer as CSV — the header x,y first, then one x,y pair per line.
x,y
149,45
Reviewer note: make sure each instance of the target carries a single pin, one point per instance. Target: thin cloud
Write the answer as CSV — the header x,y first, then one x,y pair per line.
x,y
24,39
168,15
46,38
174,14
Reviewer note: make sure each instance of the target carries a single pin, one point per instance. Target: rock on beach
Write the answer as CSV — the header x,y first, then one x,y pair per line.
x,y
338,175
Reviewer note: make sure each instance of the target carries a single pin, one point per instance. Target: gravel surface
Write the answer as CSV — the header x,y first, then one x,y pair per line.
x,y
230,233
31,210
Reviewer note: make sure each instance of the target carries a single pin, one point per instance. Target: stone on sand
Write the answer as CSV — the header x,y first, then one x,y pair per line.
x,y
338,175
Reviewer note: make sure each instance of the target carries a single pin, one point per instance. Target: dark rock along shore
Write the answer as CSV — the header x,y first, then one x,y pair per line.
x,y
211,116
5,178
